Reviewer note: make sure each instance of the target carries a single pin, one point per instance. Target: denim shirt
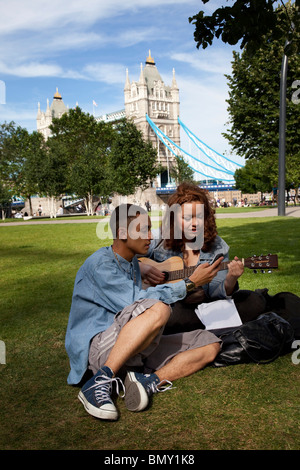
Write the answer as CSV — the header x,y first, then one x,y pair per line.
x,y
104,286
215,289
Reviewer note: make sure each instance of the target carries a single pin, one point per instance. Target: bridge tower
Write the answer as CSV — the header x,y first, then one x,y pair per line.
x,y
151,96
56,110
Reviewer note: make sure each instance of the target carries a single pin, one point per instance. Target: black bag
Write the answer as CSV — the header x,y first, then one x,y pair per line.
x,y
287,306
261,341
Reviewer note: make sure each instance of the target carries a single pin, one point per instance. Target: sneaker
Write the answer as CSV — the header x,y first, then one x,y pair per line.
x,y
95,395
139,388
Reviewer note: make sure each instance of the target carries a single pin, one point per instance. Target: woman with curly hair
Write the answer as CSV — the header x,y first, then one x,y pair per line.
x,y
189,231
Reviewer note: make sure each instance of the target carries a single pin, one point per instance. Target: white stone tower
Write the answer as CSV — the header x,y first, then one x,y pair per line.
x,y
56,110
151,96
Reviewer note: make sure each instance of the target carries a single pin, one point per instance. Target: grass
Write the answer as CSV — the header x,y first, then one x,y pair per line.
x,y
232,209
239,407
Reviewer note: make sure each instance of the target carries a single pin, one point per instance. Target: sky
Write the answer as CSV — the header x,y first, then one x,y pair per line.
x,y
84,49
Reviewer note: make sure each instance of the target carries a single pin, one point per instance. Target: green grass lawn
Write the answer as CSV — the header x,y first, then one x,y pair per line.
x,y
245,406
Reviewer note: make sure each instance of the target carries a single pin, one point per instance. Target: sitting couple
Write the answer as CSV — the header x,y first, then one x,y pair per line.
x,y
116,327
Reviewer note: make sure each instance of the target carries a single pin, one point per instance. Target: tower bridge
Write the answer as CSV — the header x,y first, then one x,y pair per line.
x,y
155,109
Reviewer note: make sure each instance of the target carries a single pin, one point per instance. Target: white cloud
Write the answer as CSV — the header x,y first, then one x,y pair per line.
x,y
73,40
17,15
17,113
107,73
31,69
215,61
99,72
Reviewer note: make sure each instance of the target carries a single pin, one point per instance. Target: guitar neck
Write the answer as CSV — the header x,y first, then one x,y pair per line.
x,y
187,271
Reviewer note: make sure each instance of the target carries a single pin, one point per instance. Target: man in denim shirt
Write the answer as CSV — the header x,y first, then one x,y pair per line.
x,y
114,323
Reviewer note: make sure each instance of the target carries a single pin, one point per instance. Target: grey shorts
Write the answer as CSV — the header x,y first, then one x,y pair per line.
x,y
160,352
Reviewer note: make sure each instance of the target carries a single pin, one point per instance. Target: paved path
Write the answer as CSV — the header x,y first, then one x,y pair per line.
x,y
291,211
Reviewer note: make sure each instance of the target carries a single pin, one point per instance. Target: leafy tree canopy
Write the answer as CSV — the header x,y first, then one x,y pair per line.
x,y
254,111
247,22
181,171
132,161
82,145
82,156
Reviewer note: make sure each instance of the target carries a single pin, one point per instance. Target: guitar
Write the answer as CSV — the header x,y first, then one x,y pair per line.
x,y
174,268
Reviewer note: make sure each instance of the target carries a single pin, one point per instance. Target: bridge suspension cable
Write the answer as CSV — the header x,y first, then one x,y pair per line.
x,y
216,171
219,159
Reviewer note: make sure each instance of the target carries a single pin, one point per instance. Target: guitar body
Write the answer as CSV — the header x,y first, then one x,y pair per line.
x,y
174,267
169,265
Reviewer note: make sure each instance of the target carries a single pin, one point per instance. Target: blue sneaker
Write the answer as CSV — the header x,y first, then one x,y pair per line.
x,y
139,388
95,395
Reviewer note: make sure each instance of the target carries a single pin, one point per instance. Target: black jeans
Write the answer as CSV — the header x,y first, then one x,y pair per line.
x,y
249,304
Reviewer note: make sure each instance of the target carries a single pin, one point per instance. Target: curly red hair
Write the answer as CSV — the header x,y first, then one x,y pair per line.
x,y
187,193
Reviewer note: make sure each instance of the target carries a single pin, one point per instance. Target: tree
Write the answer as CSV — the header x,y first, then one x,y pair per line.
x,y
11,153
5,200
247,22
51,172
84,146
249,178
181,171
33,152
254,111
19,151
132,161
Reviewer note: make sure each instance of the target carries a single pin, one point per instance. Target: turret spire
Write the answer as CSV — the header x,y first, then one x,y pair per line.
x,y
142,78
149,59
127,83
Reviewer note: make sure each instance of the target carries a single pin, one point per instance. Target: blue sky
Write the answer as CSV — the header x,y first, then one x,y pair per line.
x,y
84,49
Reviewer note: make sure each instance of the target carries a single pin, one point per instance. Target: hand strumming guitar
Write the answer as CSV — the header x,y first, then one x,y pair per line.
x,y
151,275
205,272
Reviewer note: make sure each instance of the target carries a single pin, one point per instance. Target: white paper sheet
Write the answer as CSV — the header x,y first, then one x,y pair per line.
x,y
218,314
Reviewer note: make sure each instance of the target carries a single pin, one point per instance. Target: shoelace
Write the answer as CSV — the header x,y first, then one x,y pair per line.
x,y
154,387
103,387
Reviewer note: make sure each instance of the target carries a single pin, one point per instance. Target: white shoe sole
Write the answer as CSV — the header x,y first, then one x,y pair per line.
x,y
108,412
136,398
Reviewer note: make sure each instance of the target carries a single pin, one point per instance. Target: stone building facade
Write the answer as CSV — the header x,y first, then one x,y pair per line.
x,y
151,96
44,118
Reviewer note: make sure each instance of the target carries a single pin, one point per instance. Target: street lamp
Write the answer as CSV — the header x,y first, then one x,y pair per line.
x,y
282,133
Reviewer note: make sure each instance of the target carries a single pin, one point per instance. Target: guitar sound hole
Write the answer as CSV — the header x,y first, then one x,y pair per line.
x,y
166,275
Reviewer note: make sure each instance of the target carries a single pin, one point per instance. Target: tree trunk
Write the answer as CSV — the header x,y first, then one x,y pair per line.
x,y
89,204
30,205
52,209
